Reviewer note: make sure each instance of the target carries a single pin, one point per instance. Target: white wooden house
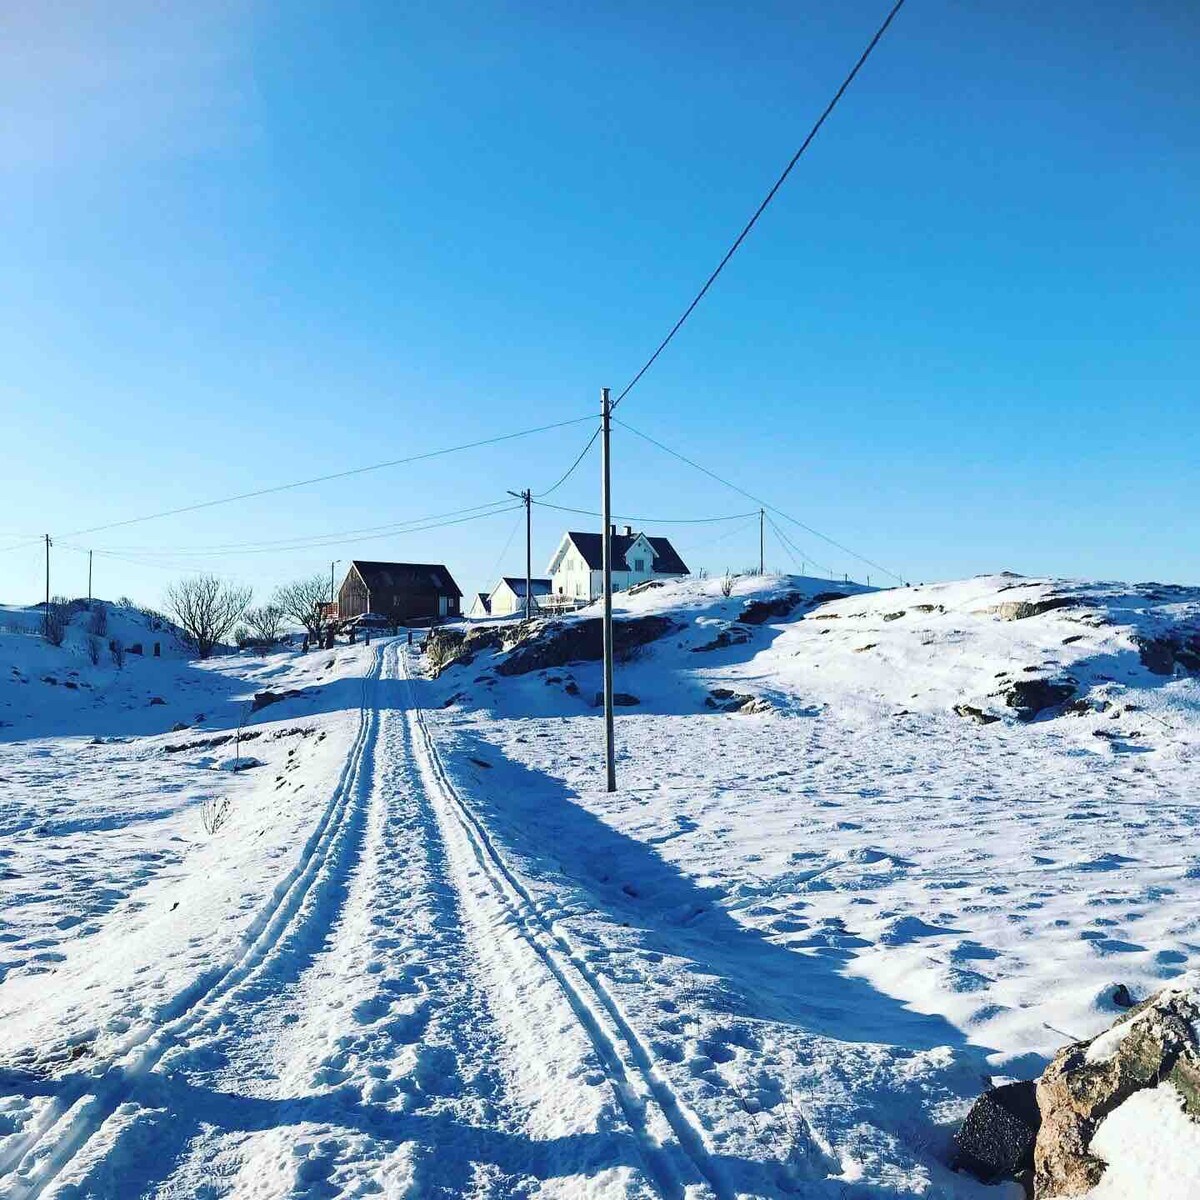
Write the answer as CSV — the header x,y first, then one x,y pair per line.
x,y
577,568
508,596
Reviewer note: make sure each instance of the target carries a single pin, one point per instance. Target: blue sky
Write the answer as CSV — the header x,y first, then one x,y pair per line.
x,y
242,245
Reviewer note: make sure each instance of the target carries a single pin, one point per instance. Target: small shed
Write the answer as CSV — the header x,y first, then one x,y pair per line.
x,y
508,596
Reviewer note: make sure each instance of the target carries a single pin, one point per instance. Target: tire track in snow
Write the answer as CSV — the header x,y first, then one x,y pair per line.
x,y
70,1121
678,1168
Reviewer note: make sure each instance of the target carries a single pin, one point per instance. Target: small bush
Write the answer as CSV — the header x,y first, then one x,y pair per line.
x,y
241,635
93,649
98,621
55,619
727,585
117,649
214,814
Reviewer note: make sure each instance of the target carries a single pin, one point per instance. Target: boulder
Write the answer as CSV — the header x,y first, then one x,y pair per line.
x,y
557,643
1160,655
997,1138
1155,1042
728,701
263,699
732,635
1032,696
976,714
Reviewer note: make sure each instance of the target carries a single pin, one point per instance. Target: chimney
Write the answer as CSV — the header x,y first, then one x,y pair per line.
x,y
629,531
612,531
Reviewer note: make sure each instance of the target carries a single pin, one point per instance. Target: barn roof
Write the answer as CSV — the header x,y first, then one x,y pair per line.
x,y
666,560
398,577
541,587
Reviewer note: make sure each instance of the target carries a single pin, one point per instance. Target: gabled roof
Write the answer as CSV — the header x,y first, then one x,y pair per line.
x,y
483,599
666,560
541,587
398,577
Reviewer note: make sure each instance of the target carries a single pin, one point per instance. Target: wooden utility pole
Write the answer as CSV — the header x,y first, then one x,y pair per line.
x,y
89,578
610,750
761,543
331,593
48,544
527,498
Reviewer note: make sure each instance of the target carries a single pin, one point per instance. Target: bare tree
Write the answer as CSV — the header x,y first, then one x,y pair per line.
x,y
98,621
302,601
93,649
266,622
116,648
206,608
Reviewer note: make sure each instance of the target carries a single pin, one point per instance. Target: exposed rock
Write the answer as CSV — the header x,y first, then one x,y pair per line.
x,y
997,1138
620,700
556,643
1161,654
263,699
1152,1043
1028,697
928,608
645,586
826,597
864,649
976,714
729,701
156,700
179,727
893,616
446,647
759,612
732,635
1020,610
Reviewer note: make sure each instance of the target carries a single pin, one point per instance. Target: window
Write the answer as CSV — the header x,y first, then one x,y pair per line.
x,y
639,564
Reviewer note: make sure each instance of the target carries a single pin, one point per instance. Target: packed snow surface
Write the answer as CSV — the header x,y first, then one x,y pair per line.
x,y
865,854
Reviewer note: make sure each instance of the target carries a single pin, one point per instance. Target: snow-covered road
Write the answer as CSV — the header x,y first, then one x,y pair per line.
x,y
403,1021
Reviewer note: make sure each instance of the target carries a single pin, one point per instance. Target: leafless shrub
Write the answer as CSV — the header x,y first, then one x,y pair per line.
x,y
302,601
214,814
98,621
206,608
116,648
266,622
241,635
727,585
56,616
93,649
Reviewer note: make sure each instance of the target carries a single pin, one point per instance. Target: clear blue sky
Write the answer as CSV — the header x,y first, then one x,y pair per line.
x,y
241,245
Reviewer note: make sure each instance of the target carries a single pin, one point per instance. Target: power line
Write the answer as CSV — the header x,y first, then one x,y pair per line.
x,y
422,528
283,487
318,539
571,469
758,212
587,512
758,500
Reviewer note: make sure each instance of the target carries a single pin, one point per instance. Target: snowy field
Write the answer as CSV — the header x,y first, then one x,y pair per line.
x,y
848,876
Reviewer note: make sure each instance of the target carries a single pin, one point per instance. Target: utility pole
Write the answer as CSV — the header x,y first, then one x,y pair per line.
x,y
761,544
331,567
527,497
48,545
610,750
89,579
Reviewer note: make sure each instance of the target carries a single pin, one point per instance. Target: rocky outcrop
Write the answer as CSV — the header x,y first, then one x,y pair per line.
x,y
1154,1042
447,647
729,701
1029,697
732,635
972,713
1161,654
1021,610
556,643
759,612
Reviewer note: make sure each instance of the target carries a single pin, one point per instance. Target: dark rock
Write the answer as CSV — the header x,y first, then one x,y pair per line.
x,y
759,612
1028,697
179,727
156,700
826,597
893,616
557,643
733,635
729,701
136,648
1161,654
976,714
620,700
996,1140
864,649
263,699
571,688
1122,997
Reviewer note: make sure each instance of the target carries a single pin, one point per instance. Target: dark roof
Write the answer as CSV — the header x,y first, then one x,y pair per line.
x,y
484,599
541,587
399,577
666,561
